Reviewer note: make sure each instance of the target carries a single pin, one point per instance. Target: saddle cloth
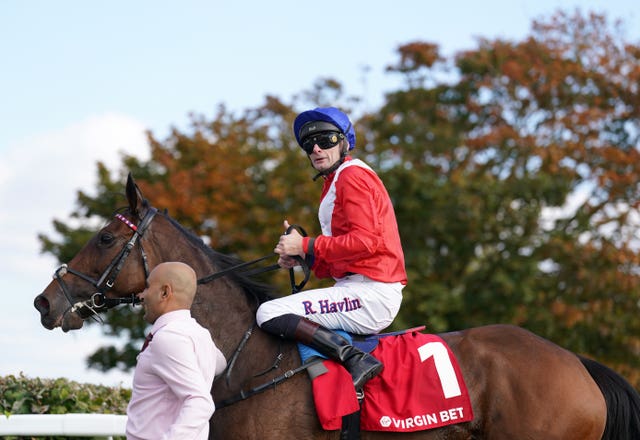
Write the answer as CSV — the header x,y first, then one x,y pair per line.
x,y
421,386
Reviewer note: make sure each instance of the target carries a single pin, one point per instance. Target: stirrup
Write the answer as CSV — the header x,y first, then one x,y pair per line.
x,y
366,372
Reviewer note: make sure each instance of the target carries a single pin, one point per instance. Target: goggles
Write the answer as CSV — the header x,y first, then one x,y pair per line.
x,y
324,140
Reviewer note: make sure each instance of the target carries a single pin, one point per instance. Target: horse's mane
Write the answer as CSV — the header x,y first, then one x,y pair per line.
x,y
253,288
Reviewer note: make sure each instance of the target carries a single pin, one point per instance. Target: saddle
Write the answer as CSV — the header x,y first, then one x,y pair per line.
x,y
421,386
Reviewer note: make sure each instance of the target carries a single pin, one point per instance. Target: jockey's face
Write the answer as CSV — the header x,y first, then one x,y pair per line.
x,y
323,159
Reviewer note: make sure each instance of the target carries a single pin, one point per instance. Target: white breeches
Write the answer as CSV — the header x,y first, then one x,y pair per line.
x,y
355,304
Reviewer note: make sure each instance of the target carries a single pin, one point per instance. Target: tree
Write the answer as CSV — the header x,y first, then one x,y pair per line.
x,y
231,180
513,169
516,184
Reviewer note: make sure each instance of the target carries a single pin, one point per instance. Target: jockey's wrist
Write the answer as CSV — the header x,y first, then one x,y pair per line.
x,y
307,246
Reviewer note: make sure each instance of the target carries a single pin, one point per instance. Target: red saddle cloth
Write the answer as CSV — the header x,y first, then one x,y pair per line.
x,y
421,387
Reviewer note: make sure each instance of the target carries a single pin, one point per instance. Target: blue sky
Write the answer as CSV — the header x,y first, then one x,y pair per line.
x,y
81,81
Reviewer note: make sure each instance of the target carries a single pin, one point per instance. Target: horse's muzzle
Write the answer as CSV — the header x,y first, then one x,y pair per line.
x,y
41,303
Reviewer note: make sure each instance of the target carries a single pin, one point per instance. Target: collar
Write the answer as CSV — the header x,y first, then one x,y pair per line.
x,y
176,315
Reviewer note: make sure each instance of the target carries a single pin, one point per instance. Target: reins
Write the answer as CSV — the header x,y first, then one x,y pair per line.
x,y
237,267
99,302
295,288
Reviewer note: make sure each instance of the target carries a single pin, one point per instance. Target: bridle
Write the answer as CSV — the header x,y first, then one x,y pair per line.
x,y
99,301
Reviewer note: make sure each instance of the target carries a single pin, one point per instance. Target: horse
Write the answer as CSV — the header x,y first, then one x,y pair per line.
x,y
521,386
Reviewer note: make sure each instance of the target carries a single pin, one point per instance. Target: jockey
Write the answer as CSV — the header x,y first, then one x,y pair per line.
x,y
359,247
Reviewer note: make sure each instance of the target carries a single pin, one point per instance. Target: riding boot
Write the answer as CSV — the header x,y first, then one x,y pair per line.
x,y
362,366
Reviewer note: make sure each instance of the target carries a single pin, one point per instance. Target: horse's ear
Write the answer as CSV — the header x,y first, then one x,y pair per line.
x,y
134,196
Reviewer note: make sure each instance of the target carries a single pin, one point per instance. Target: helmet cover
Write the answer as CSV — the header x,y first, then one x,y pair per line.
x,y
329,115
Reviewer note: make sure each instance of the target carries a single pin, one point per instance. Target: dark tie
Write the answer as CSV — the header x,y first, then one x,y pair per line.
x,y
146,342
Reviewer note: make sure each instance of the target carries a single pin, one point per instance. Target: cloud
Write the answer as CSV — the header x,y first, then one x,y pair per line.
x,y
41,175
39,178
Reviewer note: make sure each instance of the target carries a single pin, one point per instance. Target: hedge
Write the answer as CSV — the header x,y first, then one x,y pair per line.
x,y
23,395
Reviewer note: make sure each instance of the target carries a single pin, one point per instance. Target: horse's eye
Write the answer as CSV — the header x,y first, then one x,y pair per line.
x,y
106,238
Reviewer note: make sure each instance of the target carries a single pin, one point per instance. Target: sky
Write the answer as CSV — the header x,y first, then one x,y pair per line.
x,y
81,82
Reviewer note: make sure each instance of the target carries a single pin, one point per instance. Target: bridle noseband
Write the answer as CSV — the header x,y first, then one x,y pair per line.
x,y
99,301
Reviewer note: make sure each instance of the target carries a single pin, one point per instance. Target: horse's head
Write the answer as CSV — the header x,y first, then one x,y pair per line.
x,y
111,266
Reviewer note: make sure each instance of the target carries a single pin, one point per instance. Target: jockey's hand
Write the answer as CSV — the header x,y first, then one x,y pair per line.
x,y
287,262
289,245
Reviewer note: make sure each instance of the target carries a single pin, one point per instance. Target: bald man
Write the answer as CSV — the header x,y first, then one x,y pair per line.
x,y
171,397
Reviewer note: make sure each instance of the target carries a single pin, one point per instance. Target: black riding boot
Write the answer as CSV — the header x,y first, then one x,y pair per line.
x,y
361,365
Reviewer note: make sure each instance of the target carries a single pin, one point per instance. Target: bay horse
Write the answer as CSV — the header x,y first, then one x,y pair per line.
x,y
521,385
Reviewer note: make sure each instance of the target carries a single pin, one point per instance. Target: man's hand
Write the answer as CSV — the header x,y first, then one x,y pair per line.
x,y
288,246
287,262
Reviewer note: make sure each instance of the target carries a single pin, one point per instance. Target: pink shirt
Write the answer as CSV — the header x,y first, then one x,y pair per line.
x,y
171,397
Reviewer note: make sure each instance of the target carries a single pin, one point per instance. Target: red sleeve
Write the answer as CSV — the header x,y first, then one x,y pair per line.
x,y
320,269
357,227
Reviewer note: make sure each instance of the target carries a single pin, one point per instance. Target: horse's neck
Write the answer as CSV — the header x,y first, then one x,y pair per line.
x,y
227,311
223,308
220,305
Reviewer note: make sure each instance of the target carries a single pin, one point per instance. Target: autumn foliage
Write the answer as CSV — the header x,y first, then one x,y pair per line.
x,y
513,168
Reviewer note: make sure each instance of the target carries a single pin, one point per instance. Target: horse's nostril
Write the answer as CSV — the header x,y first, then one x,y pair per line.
x,y
41,304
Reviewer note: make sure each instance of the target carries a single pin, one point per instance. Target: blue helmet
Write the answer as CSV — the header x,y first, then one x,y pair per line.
x,y
326,114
